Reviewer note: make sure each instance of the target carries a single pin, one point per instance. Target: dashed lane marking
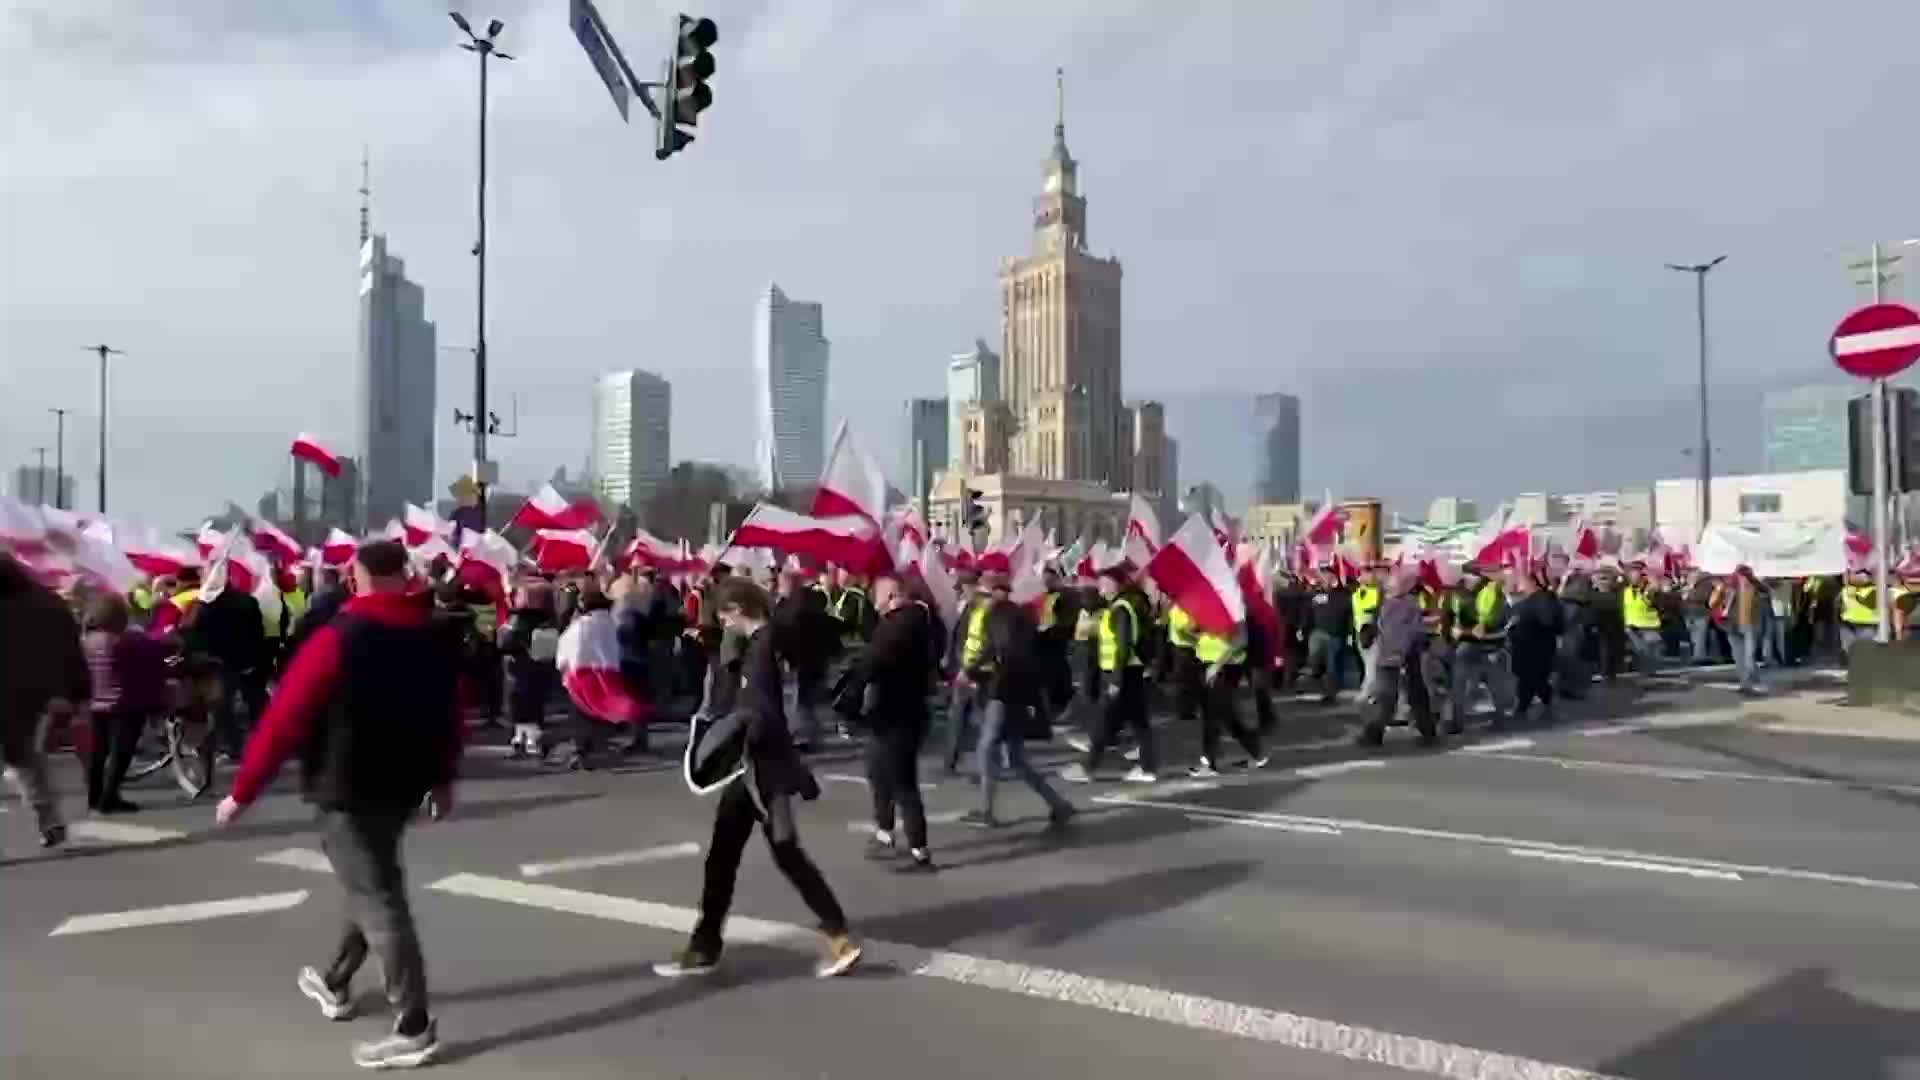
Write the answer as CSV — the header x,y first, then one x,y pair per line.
x,y
299,859
1673,772
1496,746
1352,1042
1278,826
1423,832
660,853
849,778
121,832
943,817
1335,768
179,913
1626,864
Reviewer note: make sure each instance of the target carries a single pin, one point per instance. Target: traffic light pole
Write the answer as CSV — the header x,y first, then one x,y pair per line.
x,y
1883,609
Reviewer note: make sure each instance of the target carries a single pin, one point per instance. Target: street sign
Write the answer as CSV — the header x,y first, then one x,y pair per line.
x,y
601,51
1877,341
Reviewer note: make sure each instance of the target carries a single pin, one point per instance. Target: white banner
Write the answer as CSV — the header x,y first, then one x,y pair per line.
x,y
1774,551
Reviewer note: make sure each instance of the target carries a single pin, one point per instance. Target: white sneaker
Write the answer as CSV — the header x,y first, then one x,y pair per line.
x,y
1076,773
1256,763
1132,754
1140,776
1080,743
1203,771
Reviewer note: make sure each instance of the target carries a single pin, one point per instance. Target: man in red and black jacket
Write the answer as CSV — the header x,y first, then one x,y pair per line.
x,y
370,706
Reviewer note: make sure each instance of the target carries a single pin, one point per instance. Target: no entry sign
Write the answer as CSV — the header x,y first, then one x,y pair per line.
x,y
1877,341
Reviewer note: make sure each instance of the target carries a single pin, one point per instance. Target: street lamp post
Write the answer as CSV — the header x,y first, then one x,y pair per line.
x,y
1700,272
103,351
484,48
59,458
40,476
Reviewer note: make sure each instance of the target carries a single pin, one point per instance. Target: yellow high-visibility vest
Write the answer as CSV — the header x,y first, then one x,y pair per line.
x,y
1638,611
1366,604
1110,658
1856,606
1214,649
1086,626
1180,633
976,635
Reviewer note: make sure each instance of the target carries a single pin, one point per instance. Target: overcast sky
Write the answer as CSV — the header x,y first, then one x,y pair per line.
x,y
1442,224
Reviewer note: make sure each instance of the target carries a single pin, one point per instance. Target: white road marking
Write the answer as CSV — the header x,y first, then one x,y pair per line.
x,y
1351,1042
1668,772
1661,771
849,778
178,913
1335,768
1610,729
121,832
1496,746
943,817
1282,826
662,852
1353,825
298,858
1625,864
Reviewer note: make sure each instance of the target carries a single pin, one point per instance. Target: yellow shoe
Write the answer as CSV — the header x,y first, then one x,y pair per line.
x,y
843,953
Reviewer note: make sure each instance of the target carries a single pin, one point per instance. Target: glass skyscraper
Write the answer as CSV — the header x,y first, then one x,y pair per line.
x,y
790,353
1806,428
632,449
397,387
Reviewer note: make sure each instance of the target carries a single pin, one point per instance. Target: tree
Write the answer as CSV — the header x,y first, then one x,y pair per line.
x,y
680,508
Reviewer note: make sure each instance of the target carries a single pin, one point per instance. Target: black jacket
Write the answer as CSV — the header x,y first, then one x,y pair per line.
x,y
530,682
1535,623
773,763
1011,663
805,634
230,629
384,740
891,677
325,604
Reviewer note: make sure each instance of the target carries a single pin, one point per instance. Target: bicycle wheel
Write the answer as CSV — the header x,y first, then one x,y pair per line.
x,y
151,754
191,755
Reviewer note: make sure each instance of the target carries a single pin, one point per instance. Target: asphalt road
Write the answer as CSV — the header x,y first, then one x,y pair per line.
x,y
1641,891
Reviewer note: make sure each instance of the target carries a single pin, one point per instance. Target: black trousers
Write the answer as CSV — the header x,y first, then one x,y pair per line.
x,y
893,775
115,735
365,851
1532,676
1394,675
1189,691
1124,708
250,687
733,822
1220,711
1260,676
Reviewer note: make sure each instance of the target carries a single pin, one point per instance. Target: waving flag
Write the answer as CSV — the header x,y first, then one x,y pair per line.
x,y
270,541
557,551
1194,573
236,565
646,549
420,524
850,540
208,538
1143,532
548,509
852,483
309,449
151,553
589,661
1323,529
337,548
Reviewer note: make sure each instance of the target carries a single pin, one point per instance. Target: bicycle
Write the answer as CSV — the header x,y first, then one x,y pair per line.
x,y
182,737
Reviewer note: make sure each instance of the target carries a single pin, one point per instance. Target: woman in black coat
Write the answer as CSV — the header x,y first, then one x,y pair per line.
x,y
528,643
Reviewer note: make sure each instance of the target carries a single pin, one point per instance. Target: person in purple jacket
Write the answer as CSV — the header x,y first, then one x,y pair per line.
x,y
129,672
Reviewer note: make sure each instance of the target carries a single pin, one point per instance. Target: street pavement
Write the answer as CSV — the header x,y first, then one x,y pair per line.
x,y
1649,888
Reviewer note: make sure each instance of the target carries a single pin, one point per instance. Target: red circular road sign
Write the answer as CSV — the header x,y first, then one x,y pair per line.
x,y
1877,341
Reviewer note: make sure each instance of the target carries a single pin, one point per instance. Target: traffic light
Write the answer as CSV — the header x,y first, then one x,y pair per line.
x,y
1903,442
972,515
686,93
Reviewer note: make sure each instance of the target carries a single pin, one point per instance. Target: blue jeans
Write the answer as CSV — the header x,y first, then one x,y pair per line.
x,y
1697,634
1745,642
995,736
1328,654
1646,646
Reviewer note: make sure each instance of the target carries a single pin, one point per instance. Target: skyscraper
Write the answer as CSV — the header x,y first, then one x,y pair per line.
x,y
1806,428
1276,448
924,441
973,378
1060,337
394,418
632,449
790,353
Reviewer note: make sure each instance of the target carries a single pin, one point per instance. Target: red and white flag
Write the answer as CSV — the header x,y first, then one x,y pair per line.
x,y
1225,529
548,509
235,565
1194,574
1323,529
207,539
946,598
419,524
589,661
151,553
1143,532
338,547
556,551
271,542
486,561
849,540
309,449
647,549
394,531
852,483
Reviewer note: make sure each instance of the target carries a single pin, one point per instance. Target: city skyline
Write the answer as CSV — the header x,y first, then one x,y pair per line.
x,y
1507,229
397,387
631,450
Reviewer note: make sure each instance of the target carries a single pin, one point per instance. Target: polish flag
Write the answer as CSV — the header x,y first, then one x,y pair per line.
x,y
1489,544
1194,574
558,550
151,553
1225,529
932,567
419,524
852,483
1586,542
589,661
1324,527
235,564
308,449
548,509
487,560
273,543
208,538
1260,609
338,547
647,549
394,531
1143,532
850,540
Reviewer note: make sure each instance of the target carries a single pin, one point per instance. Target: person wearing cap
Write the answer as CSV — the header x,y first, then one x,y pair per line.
x,y
1401,645
1007,675
1533,637
890,677
1122,679
1479,654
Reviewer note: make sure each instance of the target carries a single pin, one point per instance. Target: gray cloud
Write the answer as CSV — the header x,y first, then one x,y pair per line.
x,y
1443,225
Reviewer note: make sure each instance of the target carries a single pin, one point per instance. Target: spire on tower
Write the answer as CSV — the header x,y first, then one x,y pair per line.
x,y
366,194
1059,103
